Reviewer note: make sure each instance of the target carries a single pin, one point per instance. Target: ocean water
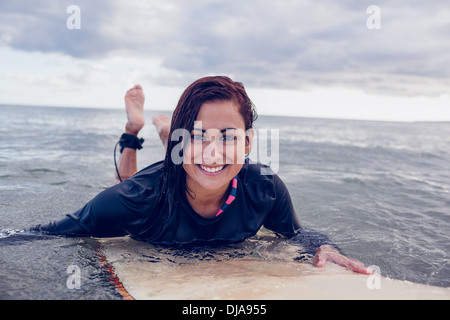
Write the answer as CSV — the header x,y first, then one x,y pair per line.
x,y
379,190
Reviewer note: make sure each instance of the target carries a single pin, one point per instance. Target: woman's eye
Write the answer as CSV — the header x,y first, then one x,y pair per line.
x,y
228,138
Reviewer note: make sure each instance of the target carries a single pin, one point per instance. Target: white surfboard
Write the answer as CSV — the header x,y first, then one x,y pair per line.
x,y
143,271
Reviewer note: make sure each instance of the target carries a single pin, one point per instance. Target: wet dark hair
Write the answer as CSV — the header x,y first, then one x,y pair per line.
x,y
207,89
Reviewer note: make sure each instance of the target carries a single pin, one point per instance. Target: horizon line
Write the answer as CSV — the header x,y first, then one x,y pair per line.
x,y
259,114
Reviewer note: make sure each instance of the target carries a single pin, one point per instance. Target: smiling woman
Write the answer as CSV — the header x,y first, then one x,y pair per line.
x,y
208,198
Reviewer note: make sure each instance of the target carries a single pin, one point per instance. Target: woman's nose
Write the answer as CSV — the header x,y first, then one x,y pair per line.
x,y
212,153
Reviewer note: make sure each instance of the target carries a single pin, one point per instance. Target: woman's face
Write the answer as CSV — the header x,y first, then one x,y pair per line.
x,y
215,154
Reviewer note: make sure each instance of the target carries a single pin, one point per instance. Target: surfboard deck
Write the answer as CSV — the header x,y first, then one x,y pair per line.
x,y
147,272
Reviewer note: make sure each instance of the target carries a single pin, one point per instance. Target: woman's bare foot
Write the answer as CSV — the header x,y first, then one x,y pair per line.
x,y
162,124
134,106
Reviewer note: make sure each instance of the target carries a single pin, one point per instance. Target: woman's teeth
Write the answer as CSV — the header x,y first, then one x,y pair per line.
x,y
214,169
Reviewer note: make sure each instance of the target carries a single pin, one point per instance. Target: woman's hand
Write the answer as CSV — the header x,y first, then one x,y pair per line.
x,y
328,253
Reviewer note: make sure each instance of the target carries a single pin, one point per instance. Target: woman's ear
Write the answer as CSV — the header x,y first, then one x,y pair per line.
x,y
249,136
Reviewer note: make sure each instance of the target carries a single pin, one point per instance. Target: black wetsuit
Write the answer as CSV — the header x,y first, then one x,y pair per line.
x,y
135,207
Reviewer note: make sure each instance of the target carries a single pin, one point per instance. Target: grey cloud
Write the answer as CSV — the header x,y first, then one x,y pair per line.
x,y
297,46
41,26
285,44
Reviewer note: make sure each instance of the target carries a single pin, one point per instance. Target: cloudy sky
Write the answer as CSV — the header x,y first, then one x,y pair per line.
x,y
313,58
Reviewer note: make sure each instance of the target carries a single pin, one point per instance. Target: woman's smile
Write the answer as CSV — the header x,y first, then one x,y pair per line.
x,y
211,170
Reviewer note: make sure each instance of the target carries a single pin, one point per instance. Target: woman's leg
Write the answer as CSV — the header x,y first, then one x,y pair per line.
x,y
162,124
134,106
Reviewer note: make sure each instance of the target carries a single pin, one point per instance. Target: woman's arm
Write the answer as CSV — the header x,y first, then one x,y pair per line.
x,y
285,221
324,250
328,253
